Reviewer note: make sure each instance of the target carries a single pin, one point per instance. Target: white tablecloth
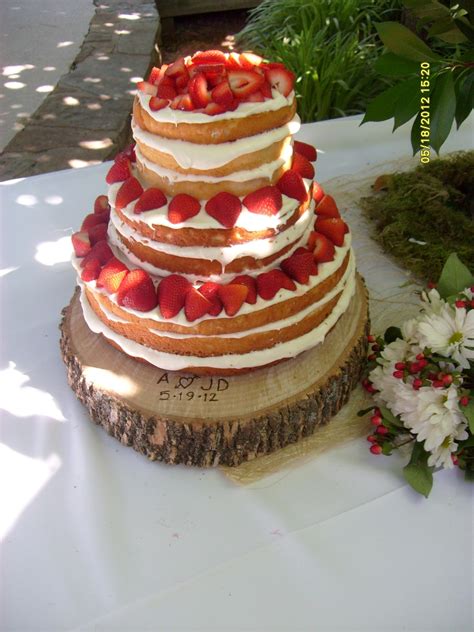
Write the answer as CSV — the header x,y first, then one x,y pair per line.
x,y
95,537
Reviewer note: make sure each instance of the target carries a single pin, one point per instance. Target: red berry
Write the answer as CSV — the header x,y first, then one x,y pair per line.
x,y
398,374
183,207
308,151
431,285
292,185
438,383
417,384
376,449
414,367
464,401
376,420
400,366
460,304
225,208
422,363
447,379
371,338
382,430
372,439
264,201
149,200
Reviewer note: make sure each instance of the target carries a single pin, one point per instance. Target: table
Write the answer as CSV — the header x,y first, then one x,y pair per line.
x,y
95,537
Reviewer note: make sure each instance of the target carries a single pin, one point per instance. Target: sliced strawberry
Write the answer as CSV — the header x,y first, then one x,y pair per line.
x,y
292,185
300,265
333,227
101,251
183,207
177,69
327,207
129,152
130,190
281,79
303,166
147,88
250,284
81,243
112,275
92,220
244,82
98,233
233,62
165,91
182,102
196,305
214,79
137,291
264,201
171,294
269,283
119,171
157,103
322,247
198,90
249,60
223,94
209,57
266,90
214,108
149,200
317,192
91,270
182,81
154,75
308,151
211,69
255,97
225,208
101,204
232,297
274,64
210,291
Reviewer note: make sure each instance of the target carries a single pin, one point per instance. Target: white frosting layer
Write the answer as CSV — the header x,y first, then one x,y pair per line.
x,y
250,222
264,171
167,115
258,248
193,156
173,362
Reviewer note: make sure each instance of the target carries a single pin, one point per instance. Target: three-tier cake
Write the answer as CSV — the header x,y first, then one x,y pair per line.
x,y
214,251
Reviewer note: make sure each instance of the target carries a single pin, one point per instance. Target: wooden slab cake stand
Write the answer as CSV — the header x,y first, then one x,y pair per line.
x,y
207,421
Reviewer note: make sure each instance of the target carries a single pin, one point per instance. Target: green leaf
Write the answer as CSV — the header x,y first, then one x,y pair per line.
x,y
465,28
467,443
383,106
387,448
443,108
401,41
417,473
392,334
394,66
464,98
469,414
408,103
415,134
455,277
390,417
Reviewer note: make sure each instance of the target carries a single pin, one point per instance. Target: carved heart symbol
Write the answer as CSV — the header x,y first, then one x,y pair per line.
x,y
184,382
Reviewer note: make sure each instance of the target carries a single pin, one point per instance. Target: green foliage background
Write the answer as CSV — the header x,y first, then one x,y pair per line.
x,y
331,46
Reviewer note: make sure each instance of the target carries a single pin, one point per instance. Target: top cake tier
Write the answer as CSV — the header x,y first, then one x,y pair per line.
x,y
214,122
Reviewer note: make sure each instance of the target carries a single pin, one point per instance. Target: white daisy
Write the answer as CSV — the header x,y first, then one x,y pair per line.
x,y
433,303
449,333
431,413
441,456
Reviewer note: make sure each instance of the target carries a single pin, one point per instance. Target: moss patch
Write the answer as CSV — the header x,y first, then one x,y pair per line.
x,y
434,204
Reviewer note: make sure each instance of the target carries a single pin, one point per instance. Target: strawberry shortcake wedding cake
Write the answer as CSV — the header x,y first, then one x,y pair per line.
x,y
214,251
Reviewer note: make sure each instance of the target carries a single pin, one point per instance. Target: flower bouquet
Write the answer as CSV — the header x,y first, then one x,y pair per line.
x,y
421,377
